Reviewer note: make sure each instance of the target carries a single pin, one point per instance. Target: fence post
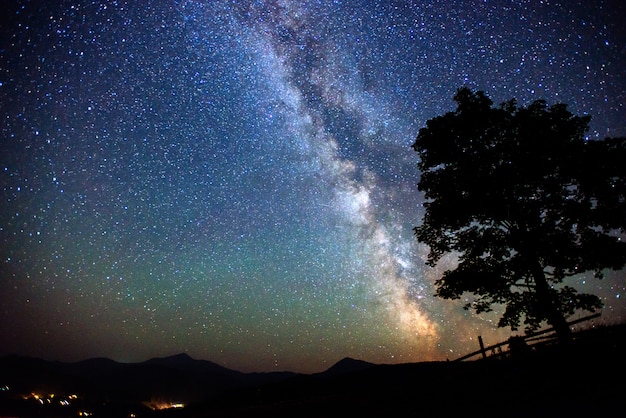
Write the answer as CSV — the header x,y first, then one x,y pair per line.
x,y
482,346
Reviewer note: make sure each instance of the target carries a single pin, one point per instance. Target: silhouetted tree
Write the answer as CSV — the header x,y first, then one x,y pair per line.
x,y
525,201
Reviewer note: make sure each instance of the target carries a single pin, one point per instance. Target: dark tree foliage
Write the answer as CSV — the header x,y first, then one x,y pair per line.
x,y
526,202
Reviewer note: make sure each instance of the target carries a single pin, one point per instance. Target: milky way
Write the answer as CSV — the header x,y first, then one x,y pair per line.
x,y
235,180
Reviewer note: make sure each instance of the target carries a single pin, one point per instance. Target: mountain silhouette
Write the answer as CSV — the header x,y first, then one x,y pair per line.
x,y
346,365
580,380
184,362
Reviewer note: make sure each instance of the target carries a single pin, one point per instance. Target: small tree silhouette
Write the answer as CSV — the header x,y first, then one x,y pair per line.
x,y
526,202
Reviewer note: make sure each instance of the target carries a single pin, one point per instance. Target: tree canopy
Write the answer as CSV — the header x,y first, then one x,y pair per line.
x,y
526,201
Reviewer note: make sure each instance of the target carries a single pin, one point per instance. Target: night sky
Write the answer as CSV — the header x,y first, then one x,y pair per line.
x,y
235,180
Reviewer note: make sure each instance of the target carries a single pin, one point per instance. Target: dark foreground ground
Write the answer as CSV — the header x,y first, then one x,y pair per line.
x,y
587,379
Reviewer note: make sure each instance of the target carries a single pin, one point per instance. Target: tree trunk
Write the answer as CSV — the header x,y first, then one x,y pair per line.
x,y
562,329
549,306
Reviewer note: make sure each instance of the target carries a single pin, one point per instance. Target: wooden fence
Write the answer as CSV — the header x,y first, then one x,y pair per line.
x,y
536,338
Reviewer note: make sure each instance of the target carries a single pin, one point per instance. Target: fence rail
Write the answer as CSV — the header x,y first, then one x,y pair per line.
x,y
535,338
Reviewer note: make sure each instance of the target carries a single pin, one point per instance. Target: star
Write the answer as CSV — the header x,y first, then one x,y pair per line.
x,y
236,181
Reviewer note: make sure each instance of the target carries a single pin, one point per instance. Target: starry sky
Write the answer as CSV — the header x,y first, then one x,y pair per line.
x,y
235,180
